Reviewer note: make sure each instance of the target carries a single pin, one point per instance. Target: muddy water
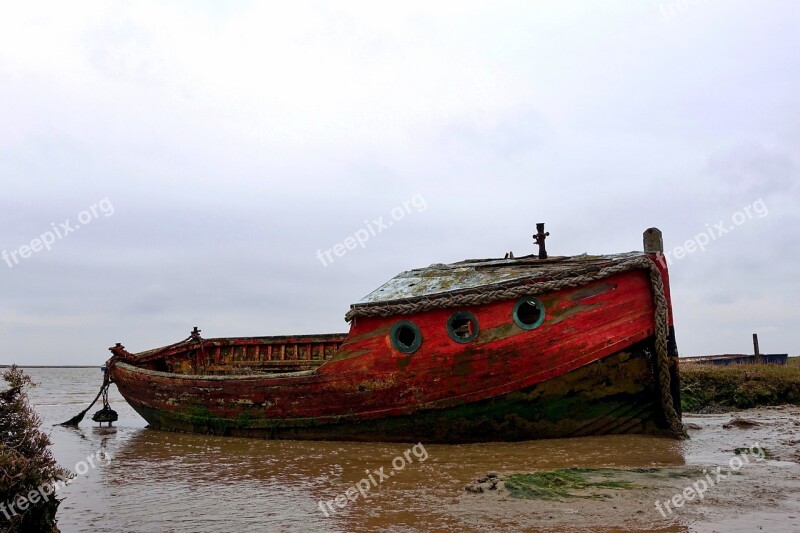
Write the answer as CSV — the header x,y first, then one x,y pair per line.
x,y
158,481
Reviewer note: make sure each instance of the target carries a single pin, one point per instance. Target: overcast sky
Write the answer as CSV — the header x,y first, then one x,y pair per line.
x,y
190,159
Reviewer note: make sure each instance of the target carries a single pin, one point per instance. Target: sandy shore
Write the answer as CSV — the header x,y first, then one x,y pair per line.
x,y
737,476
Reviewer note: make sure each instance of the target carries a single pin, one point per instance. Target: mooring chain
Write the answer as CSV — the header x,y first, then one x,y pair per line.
x,y
489,296
75,420
105,396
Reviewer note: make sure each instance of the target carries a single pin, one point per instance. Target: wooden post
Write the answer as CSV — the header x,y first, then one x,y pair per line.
x,y
755,348
653,242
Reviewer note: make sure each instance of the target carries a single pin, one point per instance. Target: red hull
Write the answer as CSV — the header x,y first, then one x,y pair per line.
x,y
369,390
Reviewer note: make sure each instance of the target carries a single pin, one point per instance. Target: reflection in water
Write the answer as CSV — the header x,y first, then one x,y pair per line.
x,y
161,481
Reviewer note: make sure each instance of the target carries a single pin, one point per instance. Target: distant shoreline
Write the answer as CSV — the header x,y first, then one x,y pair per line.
x,y
53,366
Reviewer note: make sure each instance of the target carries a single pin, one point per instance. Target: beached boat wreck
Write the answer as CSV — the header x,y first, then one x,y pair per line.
x,y
481,350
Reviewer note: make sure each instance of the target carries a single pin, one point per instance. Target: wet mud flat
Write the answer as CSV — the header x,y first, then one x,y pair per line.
x,y
740,472
162,481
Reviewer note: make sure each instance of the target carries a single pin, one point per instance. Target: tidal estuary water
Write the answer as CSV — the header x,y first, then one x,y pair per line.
x,y
162,482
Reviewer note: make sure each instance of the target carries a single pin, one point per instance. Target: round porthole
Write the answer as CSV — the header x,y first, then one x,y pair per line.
x,y
462,326
529,313
406,336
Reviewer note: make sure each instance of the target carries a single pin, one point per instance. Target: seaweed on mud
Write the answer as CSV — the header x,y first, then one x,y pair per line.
x,y
767,454
564,483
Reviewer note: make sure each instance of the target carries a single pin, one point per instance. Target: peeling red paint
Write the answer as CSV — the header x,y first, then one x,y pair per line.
x,y
323,381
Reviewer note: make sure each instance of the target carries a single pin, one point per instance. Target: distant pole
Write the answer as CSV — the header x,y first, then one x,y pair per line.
x,y
755,348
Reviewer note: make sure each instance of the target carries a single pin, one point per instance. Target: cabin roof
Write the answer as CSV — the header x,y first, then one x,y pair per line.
x,y
472,274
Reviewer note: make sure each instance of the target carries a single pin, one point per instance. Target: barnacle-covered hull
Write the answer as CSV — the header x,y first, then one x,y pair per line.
x,y
555,348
